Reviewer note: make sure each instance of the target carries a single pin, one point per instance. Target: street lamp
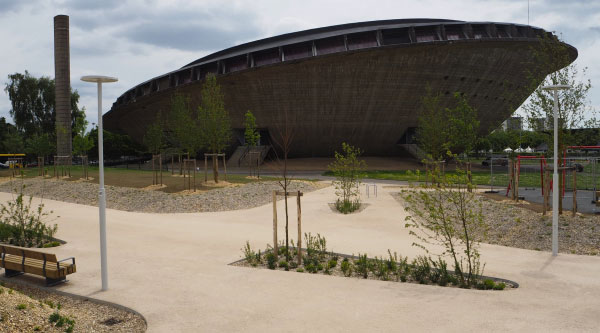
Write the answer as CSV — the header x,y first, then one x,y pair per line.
x,y
101,193
555,89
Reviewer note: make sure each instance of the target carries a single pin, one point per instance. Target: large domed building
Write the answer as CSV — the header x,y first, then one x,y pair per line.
x,y
359,83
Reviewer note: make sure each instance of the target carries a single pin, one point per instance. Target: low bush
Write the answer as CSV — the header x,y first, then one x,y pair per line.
x,y
362,265
60,321
271,260
346,267
347,207
421,269
23,225
284,264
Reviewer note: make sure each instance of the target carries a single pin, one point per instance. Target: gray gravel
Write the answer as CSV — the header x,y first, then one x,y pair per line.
x,y
147,201
517,226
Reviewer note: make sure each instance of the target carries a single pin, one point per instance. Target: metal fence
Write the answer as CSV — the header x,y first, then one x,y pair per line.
x,y
531,174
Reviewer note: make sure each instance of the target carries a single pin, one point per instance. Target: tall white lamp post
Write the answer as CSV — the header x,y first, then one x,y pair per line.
x,y
555,89
98,79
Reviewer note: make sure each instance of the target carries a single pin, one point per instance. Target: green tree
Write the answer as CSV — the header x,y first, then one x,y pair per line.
x,y
154,137
214,122
82,142
551,55
250,133
449,214
40,145
462,126
33,104
430,127
446,129
10,138
347,168
182,126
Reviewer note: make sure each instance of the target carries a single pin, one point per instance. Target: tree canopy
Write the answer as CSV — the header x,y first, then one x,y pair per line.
x,y
251,135
214,122
442,129
33,104
183,126
154,137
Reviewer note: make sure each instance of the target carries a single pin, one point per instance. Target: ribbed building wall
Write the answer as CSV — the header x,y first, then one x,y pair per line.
x,y
62,75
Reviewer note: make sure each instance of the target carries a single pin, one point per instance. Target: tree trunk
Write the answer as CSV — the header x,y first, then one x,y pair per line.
x,y
215,160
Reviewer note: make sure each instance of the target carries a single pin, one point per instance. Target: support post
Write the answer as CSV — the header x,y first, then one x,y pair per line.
x,y
299,230
574,171
516,174
275,249
225,167
205,168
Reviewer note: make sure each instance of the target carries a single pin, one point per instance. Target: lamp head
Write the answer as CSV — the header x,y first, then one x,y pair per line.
x,y
99,78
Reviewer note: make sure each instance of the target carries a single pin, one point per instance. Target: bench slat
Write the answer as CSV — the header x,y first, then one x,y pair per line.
x,y
33,266
19,251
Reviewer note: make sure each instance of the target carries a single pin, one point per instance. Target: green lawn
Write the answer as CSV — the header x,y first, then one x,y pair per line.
x,y
500,179
135,178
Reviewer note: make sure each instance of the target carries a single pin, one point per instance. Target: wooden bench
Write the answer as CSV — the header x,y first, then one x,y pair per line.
x,y
18,260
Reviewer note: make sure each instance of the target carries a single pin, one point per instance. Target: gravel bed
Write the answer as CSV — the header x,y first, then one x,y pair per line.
x,y
27,309
515,225
148,201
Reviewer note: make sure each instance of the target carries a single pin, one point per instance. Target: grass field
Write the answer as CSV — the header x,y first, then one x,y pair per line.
x,y
137,178
527,178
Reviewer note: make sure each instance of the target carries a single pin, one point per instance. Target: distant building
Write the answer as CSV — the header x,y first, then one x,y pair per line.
x,y
539,124
357,82
513,124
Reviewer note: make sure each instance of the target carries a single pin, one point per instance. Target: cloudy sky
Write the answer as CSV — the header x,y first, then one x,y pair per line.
x,y
136,40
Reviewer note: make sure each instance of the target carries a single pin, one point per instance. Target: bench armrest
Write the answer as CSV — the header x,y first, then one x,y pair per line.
x,y
58,262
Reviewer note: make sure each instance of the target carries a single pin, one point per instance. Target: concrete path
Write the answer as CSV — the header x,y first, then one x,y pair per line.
x,y
173,269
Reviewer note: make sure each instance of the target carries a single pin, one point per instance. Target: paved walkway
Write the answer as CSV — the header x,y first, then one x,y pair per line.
x,y
173,269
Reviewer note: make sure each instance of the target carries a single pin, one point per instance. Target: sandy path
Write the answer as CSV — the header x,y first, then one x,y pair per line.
x,y
173,269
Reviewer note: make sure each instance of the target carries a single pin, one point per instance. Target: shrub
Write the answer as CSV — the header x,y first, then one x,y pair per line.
x,y
271,260
51,244
332,263
380,268
249,254
60,321
362,265
23,225
347,207
22,306
347,168
284,264
300,270
421,269
311,268
442,276
346,267
500,286
316,246
449,214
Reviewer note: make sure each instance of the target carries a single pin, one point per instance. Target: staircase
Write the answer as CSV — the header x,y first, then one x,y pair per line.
x,y
241,155
414,150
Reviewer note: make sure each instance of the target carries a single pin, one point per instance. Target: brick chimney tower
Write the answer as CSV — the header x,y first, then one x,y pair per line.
x,y
62,89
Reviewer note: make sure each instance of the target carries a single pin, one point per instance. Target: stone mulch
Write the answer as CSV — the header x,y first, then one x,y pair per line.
x,y
516,225
147,201
27,309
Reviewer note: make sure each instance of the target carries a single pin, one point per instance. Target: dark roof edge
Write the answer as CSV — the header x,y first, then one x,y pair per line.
x,y
313,34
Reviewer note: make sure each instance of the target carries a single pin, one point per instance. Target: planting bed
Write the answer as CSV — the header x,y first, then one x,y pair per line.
x,y
422,270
